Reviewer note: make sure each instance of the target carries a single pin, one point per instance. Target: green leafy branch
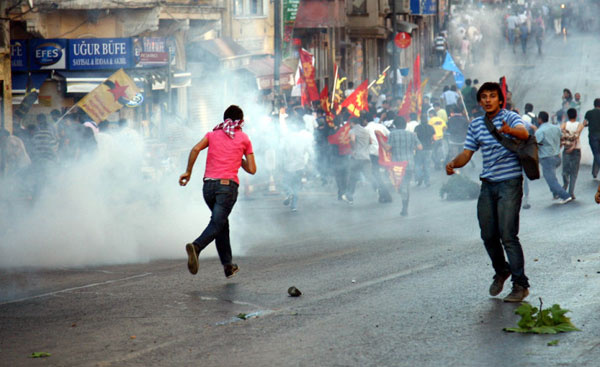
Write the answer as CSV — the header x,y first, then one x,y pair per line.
x,y
542,321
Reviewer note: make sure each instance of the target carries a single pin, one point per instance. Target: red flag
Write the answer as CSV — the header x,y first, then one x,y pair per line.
x,y
405,107
358,100
325,105
418,92
304,100
504,89
342,139
396,170
308,72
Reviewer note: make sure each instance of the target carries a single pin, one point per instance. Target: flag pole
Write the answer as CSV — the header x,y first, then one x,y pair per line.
x,y
66,113
374,81
335,78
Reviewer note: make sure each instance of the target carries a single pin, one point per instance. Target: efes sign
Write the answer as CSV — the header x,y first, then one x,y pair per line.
x,y
47,54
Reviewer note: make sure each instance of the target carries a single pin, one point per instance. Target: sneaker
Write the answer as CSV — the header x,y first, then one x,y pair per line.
x,y
348,200
526,206
294,209
404,212
287,200
498,284
517,294
230,270
564,201
192,258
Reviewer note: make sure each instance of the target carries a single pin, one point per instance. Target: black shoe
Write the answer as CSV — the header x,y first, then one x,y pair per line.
x,y
526,206
192,258
498,284
230,270
518,294
287,200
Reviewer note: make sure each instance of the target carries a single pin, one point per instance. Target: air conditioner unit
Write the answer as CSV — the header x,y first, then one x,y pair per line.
x,y
402,6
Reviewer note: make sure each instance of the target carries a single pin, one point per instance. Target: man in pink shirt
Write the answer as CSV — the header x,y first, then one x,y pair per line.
x,y
227,146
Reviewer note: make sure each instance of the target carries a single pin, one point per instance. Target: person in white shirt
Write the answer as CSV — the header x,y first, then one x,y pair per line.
x,y
372,127
572,150
410,126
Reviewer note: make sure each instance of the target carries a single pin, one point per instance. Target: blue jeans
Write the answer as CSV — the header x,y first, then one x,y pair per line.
x,y
549,165
595,145
498,213
220,198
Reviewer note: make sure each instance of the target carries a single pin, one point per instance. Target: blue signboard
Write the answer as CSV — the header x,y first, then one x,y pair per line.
x,y
18,55
423,7
47,54
100,53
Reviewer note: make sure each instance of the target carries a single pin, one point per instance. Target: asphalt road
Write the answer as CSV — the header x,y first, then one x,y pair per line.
x,y
378,290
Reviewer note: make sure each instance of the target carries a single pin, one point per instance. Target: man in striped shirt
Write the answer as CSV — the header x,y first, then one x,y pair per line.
x,y
501,190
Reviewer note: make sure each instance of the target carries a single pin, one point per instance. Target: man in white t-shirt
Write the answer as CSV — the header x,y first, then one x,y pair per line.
x,y
371,128
410,126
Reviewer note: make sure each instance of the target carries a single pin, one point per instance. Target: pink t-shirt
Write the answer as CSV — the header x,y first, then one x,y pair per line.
x,y
224,157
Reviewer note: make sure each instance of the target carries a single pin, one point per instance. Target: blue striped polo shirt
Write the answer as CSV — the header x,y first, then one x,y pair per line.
x,y
499,163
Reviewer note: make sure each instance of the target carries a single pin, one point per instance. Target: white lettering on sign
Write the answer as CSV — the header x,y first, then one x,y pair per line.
x,y
98,49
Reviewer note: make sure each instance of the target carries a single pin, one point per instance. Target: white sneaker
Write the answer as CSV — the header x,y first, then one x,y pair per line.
x,y
564,201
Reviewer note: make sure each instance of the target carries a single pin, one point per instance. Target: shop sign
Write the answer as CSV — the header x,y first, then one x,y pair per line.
x,y
423,7
18,55
150,51
100,53
402,39
48,54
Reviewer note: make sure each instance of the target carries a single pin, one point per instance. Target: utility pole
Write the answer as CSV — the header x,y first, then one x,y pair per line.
x,y
277,49
394,52
5,72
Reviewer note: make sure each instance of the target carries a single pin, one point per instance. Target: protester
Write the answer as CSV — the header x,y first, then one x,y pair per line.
x,y
425,133
456,132
410,125
372,127
360,161
438,143
571,151
501,190
227,146
403,144
548,138
592,122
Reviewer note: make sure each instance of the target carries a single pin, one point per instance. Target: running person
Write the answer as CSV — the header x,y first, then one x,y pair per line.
x,y
227,145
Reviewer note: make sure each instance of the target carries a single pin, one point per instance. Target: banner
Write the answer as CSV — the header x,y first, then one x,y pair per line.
x,y
308,72
338,93
396,170
378,84
407,101
115,92
342,139
358,100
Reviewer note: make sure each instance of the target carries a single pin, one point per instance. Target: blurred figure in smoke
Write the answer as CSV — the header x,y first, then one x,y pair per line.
x,y
403,144
531,124
538,30
360,162
44,156
456,132
297,150
425,133
440,47
227,146
501,190
372,127
572,151
438,145
592,121
322,156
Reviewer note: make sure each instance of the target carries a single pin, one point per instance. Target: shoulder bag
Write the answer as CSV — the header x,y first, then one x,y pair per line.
x,y
527,150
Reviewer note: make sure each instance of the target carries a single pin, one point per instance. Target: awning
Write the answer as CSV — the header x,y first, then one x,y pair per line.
x,y
86,81
223,51
264,69
83,81
407,27
319,14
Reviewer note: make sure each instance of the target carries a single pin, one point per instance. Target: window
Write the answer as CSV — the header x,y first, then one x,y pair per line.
x,y
248,7
358,7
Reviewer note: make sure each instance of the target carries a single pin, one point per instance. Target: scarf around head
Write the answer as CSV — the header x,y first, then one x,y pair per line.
x,y
229,126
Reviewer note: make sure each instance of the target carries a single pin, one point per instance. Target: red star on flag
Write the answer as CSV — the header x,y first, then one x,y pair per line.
x,y
118,91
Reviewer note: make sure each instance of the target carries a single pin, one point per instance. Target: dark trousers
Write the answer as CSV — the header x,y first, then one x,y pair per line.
x,y
498,213
595,145
220,199
341,173
570,170
377,180
357,166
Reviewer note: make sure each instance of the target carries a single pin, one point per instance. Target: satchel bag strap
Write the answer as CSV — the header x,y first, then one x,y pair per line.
x,y
506,142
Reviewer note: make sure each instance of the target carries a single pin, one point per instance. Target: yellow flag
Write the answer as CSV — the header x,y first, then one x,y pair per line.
x,y
110,96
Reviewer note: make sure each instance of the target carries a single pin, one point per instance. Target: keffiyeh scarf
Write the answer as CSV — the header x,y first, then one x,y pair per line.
x,y
229,126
